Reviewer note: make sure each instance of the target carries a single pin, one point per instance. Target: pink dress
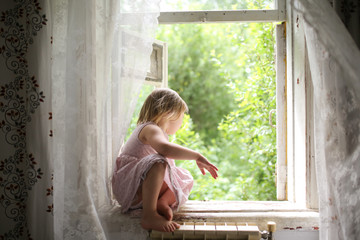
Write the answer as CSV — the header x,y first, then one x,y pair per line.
x,y
131,168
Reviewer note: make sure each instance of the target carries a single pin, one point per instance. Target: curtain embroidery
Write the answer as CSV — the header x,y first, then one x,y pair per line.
x,y
19,99
49,193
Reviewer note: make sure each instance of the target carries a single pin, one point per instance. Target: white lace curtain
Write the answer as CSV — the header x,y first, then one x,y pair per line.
x,y
101,53
334,64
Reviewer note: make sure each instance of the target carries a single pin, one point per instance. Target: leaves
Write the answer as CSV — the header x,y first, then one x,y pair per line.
x,y
226,75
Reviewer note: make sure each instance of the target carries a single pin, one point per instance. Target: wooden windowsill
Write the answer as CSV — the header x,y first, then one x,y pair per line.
x,y
285,214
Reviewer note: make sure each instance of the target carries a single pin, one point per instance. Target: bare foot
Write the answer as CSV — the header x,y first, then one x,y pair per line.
x,y
165,210
157,222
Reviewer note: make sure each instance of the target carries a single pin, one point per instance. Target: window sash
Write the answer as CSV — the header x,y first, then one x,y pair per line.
x,y
278,14
221,16
281,110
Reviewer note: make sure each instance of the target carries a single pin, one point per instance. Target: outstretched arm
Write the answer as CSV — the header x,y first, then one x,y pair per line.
x,y
153,135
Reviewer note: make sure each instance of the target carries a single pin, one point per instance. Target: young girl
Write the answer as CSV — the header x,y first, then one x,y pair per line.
x,y
146,175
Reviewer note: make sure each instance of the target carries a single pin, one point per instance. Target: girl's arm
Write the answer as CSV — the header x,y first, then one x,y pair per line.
x,y
154,136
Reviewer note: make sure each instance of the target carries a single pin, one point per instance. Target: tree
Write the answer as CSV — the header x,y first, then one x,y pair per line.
x,y
244,147
195,72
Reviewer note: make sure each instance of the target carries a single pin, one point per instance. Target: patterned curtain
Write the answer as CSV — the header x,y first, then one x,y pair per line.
x,y
25,122
70,74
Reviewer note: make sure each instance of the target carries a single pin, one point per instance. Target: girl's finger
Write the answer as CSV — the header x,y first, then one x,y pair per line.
x,y
214,174
215,167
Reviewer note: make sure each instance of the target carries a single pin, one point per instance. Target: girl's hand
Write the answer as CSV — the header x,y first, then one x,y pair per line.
x,y
203,163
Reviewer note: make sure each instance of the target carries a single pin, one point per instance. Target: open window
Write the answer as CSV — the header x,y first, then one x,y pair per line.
x,y
277,14
295,174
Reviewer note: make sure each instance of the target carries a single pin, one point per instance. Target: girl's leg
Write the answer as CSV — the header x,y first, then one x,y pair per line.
x,y
152,184
166,199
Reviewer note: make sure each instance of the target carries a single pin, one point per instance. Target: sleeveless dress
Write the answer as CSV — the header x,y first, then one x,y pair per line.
x,y
131,168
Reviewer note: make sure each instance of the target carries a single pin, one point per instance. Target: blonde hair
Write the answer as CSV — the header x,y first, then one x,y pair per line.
x,y
159,103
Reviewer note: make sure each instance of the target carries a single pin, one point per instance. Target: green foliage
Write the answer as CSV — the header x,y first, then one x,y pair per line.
x,y
195,71
226,75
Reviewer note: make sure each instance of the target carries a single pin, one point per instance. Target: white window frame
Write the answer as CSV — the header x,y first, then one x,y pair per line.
x,y
302,187
278,14
297,189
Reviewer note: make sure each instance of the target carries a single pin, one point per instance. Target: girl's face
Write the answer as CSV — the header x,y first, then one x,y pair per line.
x,y
174,124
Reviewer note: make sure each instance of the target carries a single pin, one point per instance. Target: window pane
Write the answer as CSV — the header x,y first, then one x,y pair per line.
x,y
196,5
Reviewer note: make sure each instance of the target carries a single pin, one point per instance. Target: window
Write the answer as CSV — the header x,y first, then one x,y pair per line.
x,y
249,16
296,180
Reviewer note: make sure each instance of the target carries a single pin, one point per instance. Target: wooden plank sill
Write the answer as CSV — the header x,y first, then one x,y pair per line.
x,y
285,214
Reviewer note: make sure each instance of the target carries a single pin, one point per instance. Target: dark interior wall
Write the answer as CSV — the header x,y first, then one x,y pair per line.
x,y
349,13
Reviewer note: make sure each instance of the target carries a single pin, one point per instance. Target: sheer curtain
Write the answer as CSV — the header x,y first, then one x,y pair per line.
x,y
334,64
71,72
100,55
